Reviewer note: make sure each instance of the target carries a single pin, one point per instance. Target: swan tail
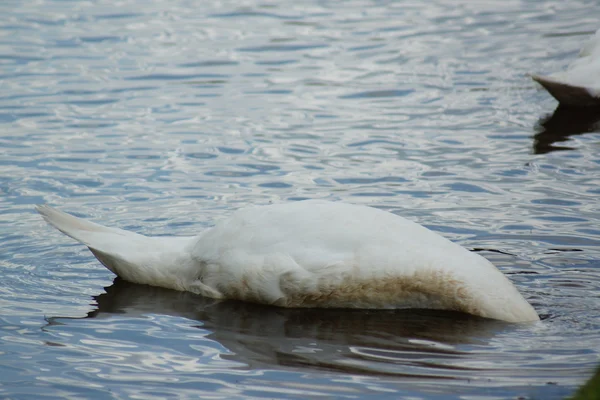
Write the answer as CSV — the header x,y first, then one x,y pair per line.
x,y
133,257
568,95
77,228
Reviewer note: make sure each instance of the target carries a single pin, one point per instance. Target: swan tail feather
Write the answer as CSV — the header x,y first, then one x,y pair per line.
x,y
568,95
76,228
127,254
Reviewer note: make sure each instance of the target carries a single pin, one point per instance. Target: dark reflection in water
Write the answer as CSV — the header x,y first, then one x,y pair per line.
x,y
562,124
399,342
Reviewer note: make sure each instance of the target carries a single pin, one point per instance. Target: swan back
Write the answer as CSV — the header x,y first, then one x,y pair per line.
x,y
324,254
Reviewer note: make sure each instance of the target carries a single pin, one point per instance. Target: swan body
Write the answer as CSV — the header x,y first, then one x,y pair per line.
x,y
309,254
579,85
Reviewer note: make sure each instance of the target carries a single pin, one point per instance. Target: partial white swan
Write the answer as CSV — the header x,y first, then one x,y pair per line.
x,y
309,254
579,85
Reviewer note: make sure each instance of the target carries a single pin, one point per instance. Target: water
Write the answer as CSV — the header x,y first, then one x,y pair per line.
x,y
163,116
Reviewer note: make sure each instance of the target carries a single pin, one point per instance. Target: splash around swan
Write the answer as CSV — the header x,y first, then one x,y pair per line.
x,y
309,254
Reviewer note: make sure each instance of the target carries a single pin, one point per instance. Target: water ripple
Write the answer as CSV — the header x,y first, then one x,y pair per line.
x,y
162,117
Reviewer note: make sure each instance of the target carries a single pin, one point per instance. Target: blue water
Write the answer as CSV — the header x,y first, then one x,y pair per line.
x,y
163,116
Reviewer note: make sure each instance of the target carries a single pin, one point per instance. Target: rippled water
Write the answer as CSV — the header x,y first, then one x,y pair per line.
x,y
162,116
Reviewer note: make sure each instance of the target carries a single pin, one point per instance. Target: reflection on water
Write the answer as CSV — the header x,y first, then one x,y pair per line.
x,y
355,341
562,124
400,351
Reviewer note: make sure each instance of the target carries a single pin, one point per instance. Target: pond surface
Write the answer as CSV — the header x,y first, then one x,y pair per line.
x,y
164,116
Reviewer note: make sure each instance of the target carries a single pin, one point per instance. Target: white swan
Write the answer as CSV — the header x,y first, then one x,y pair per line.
x,y
579,85
309,254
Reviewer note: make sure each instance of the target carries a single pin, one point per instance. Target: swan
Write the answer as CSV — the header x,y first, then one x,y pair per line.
x,y
579,85
310,253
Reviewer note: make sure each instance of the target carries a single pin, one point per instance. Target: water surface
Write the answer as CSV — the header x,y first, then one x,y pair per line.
x,y
164,116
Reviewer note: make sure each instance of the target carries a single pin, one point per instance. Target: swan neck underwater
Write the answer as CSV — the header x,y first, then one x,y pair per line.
x,y
309,253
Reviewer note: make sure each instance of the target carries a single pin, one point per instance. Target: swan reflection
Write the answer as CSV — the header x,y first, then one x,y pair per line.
x,y
401,342
562,124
